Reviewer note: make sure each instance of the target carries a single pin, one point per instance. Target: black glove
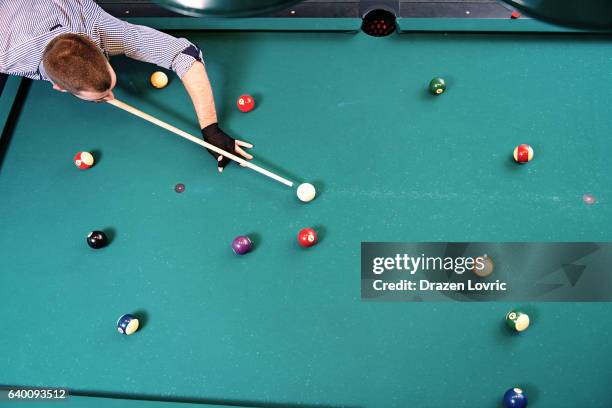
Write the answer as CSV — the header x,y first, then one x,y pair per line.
x,y
218,138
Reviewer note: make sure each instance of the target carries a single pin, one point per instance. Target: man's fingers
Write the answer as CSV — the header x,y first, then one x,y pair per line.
x,y
243,153
238,149
243,144
220,168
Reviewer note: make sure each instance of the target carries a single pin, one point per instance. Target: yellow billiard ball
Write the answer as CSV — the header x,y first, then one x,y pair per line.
x,y
159,79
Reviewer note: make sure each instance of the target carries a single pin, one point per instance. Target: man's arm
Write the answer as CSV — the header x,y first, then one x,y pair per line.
x,y
198,86
178,54
118,37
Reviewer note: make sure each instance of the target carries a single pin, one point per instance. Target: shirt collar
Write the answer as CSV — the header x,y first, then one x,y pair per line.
x,y
43,73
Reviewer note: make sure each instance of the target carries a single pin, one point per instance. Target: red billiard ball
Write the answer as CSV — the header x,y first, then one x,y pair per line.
x,y
307,237
245,103
523,153
83,160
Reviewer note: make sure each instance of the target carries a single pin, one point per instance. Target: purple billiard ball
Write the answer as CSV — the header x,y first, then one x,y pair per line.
x,y
242,244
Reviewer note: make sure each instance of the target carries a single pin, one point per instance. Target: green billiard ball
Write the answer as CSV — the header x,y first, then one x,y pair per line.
x,y
517,320
437,86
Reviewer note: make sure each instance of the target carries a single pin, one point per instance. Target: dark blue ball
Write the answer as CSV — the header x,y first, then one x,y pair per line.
x,y
515,398
127,324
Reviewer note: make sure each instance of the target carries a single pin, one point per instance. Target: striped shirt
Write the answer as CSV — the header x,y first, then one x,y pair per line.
x,y
27,26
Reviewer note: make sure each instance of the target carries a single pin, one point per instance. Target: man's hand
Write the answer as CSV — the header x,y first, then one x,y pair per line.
x,y
215,136
198,86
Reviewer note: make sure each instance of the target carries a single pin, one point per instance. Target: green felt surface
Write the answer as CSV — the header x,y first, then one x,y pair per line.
x,y
283,326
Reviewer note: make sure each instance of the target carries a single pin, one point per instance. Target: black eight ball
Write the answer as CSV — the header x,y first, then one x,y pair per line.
x,y
97,239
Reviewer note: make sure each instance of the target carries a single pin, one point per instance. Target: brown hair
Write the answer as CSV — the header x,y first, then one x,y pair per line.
x,y
75,63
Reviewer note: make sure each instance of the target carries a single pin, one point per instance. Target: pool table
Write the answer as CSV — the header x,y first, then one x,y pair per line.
x,y
285,326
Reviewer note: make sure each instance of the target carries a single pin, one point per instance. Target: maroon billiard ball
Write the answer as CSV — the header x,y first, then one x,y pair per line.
x,y
242,244
307,237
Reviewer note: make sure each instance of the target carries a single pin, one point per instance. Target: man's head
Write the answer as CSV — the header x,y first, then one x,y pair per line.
x,y
76,65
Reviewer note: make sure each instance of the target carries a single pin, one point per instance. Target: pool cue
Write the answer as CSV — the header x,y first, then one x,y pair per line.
x,y
122,105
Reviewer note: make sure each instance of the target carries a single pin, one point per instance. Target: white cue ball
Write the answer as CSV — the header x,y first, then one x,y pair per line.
x,y
306,192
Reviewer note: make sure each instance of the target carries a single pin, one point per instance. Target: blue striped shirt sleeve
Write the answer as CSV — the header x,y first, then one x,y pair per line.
x,y
146,44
